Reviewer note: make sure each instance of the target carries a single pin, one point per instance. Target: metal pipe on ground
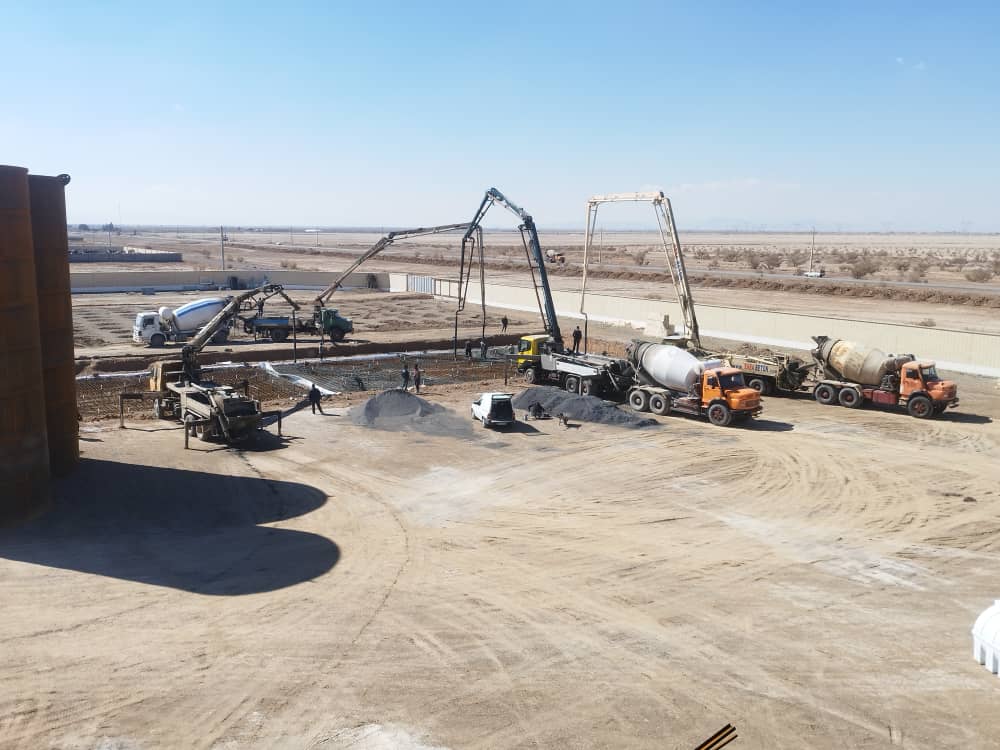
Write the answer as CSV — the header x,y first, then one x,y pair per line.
x,y
55,317
24,449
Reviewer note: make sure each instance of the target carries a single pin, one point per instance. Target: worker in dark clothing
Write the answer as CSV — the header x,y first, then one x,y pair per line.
x,y
418,377
468,348
503,324
405,374
577,335
482,349
314,399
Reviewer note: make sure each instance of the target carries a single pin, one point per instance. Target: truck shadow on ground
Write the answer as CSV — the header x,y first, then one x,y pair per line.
x,y
767,425
188,530
964,418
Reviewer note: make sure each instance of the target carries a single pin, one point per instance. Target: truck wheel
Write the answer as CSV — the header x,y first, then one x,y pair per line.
x,y
336,335
720,415
589,388
279,334
572,384
760,385
920,407
157,340
825,394
659,404
639,400
530,376
850,397
204,432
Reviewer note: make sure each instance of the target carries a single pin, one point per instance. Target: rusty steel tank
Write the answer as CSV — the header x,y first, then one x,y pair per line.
x,y
55,318
24,450
857,363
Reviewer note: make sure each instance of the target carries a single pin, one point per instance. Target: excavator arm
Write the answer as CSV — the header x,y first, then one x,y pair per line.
x,y
378,247
529,235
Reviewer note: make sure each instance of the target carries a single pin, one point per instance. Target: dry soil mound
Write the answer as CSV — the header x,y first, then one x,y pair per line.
x,y
584,408
401,410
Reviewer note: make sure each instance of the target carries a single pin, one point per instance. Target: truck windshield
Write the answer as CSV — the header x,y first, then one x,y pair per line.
x,y
929,373
523,345
732,382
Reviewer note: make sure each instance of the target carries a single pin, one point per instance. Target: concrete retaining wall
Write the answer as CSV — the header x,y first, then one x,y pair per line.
x,y
179,281
962,351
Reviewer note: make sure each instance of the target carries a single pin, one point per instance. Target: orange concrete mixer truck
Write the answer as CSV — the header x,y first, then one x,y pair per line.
x,y
852,374
670,379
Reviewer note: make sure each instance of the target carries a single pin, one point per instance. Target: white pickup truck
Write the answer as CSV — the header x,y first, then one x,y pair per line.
x,y
494,409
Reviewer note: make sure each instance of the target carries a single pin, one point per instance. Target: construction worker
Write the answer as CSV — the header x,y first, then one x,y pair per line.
x,y
503,324
577,335
468,348
417,377
314,399
482,349
405,374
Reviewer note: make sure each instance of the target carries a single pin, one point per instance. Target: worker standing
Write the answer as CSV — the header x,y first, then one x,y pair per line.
x,y
314,399
577,335
405,374
468,348
503,324
482,349
417,377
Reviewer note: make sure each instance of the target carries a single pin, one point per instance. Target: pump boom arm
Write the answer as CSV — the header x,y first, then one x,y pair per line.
x,y
378,247
529,234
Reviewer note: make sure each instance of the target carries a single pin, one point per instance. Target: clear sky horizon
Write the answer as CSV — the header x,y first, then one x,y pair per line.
x,y
843,116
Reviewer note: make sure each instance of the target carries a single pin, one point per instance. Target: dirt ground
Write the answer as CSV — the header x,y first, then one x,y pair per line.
x,y
811,578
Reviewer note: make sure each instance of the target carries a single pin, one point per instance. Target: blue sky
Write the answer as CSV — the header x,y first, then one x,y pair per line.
x,y
874,115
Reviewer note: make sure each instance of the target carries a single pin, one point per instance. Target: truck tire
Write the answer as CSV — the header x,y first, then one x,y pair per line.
x,y
279,334
920,407
589,388
638,400
826,394
659,404
205,432
720,415
336,335
157,340
760,385
530,376
850,397
572,384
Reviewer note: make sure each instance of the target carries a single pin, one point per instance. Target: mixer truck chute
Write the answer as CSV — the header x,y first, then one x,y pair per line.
x,y
670,379
852,375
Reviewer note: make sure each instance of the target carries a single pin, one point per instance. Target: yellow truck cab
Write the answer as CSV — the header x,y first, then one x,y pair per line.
x,y
725,385
919,384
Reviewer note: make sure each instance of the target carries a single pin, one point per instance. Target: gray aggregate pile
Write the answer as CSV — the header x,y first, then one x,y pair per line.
x,y
583,408
401,410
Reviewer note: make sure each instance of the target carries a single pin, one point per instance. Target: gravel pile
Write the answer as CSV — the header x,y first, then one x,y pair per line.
x,y
401,410
583,408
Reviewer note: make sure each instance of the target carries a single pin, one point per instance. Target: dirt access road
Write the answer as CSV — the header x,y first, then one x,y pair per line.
x,y
811,578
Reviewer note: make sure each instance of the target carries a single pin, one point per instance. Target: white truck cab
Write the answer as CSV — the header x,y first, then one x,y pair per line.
x,y
494,409
147,329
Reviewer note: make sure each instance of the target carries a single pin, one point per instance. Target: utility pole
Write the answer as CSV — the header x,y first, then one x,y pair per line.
x,y
222,241
812,251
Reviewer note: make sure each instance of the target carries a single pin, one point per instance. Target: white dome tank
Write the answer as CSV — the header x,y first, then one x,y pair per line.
x,y
986,638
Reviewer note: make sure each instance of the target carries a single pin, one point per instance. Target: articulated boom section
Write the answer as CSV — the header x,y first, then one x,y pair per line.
x,y
533,250
378,247
671,249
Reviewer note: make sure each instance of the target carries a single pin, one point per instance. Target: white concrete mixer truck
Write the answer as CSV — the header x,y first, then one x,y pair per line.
x,y
853,374
670,379
156,327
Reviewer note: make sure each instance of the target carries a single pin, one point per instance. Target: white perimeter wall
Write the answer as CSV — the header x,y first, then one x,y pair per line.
x,y
962,351
179,281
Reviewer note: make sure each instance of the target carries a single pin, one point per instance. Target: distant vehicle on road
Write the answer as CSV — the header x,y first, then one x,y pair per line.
x,y
815,274
494,409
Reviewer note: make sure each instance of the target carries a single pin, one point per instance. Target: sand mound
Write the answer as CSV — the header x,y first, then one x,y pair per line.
x,y
400,410
583,408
